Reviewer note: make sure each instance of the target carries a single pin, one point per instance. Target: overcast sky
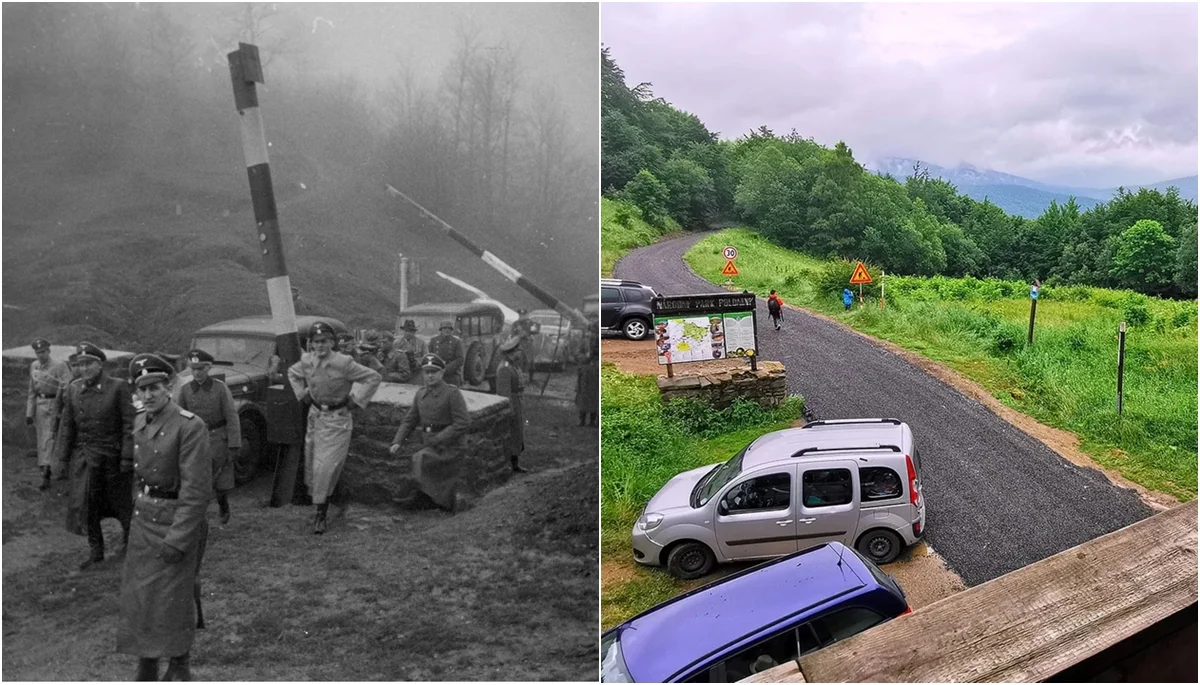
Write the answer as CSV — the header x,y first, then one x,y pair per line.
x,y
1074,94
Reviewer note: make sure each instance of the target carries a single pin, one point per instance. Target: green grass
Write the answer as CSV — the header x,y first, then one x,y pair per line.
x,y
1066,379
644,444
622,229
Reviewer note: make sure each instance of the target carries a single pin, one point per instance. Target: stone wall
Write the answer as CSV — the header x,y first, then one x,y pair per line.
x,y
767,386
373,475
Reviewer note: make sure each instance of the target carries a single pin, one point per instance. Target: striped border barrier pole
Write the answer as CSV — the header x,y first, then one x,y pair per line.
x,y
495,262
245,69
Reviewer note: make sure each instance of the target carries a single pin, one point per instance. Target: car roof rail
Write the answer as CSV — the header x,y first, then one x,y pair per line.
x,y
846,422
860,448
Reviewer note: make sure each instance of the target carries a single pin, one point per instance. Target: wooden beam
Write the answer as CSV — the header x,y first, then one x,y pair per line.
x,y
783,673
1035,622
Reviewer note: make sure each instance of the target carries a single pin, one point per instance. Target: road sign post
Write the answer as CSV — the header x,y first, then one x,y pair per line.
x,y
1120,368
1033,298
859,277
730,253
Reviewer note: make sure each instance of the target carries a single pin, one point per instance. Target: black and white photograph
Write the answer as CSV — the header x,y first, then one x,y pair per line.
x,y
300,341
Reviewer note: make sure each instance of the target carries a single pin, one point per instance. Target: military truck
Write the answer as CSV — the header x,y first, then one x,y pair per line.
x,y
479,324
243,349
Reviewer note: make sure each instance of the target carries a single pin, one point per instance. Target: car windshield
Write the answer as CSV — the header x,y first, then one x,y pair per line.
x,y
612,663
716,479
239,350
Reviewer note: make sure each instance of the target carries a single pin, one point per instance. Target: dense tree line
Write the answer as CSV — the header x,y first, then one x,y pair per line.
x,y
808,197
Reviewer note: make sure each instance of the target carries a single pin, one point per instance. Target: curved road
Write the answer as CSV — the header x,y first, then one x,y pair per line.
x,y
997,499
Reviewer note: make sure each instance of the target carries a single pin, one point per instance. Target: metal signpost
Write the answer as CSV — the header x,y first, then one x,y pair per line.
x,y
859,277
730,253
1033,298
699,328
1120,368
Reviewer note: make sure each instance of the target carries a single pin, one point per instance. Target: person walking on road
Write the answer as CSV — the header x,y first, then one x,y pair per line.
x,y
847,298
508,384
48,379
775,309
211,400
439,413
324,380
160,593
95,431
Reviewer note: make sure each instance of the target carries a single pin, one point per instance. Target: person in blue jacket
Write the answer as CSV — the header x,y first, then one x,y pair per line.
x,y
847,298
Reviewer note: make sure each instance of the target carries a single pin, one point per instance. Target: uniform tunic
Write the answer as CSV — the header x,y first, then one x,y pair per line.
x,y
439,414
213,403
45,385
508,384
95,429
158,600
450,349
329,381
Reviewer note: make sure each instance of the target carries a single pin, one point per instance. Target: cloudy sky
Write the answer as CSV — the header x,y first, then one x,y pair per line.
x,y
1073,94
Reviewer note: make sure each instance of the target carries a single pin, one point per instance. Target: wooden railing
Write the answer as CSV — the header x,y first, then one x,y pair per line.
x,y
1121,607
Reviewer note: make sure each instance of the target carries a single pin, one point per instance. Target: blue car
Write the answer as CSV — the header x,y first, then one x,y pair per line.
x,y
753,620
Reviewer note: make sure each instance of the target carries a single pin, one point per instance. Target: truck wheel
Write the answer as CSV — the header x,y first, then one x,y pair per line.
x,y
474,368
690,560
254,444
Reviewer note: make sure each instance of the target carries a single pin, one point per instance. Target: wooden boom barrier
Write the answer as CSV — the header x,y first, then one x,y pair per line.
x,y
1118,608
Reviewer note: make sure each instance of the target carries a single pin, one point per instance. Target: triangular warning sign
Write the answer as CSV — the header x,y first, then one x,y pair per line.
x,y
860,275
730,269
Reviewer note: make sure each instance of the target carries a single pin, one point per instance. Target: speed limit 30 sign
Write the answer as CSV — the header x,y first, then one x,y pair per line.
x,y
730,252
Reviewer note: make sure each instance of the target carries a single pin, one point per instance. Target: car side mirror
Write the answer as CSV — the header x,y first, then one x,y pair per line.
x,y
722,508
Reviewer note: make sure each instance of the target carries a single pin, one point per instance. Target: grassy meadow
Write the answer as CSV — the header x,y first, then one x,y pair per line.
x,y
622,229
1066,379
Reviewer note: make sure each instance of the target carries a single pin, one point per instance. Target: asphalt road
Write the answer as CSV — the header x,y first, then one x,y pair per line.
x,y
996,498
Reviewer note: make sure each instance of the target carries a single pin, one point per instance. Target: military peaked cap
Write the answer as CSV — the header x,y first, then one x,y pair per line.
x,y
432,361
41,344
147,368
86,350
199,356
320,328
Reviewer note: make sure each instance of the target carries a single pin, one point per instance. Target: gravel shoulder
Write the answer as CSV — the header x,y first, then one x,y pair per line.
x,y
1000,496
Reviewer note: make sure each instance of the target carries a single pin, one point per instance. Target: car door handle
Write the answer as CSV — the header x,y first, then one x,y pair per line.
x,y
784,523
807,520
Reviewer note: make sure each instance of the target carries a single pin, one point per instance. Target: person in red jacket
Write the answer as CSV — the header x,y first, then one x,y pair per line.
x,y
775,309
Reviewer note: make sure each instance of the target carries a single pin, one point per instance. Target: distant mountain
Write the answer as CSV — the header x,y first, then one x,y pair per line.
x,y
1015,194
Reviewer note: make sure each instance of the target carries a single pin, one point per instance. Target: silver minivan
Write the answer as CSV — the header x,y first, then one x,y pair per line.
x,y
854,481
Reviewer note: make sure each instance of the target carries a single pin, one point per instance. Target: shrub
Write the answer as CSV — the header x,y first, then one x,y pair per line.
x,y
1135,311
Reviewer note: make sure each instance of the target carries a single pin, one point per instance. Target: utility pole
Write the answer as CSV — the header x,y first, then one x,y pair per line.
x,y
403,282
245,69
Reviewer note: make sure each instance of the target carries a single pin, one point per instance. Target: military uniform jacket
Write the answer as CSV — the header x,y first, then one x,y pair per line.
x,y
96,421
441,406
213,403
416,346
450,349
331,380
171,454
48,380
508,384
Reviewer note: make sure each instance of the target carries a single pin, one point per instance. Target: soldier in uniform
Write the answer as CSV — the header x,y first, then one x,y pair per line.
x,y
345,344
439,414
508,384
364,354
386,341
160,593
324,379
449,348
48,379
95,429
587,389
211,400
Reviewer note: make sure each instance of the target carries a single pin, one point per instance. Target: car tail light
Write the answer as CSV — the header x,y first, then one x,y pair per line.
x,y
907,610
914,494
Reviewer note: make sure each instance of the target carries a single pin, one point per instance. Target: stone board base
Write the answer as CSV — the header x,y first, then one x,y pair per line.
x,y
767,386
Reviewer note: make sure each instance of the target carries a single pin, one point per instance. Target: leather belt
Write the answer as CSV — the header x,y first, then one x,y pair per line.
x,y
216,425
151,491
332,407
434,428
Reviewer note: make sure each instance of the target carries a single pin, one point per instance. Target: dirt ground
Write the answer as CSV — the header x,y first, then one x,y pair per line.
x,y
504,591
920,571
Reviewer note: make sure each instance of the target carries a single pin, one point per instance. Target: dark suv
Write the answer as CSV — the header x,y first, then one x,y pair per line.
x,y
625,307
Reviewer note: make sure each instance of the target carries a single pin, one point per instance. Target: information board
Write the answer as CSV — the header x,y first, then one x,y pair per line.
x,y
698,328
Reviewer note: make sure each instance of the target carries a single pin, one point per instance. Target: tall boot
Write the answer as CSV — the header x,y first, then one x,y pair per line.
x,y
582,418
319,523
147,670
179,668
515,466
223,504
45,478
